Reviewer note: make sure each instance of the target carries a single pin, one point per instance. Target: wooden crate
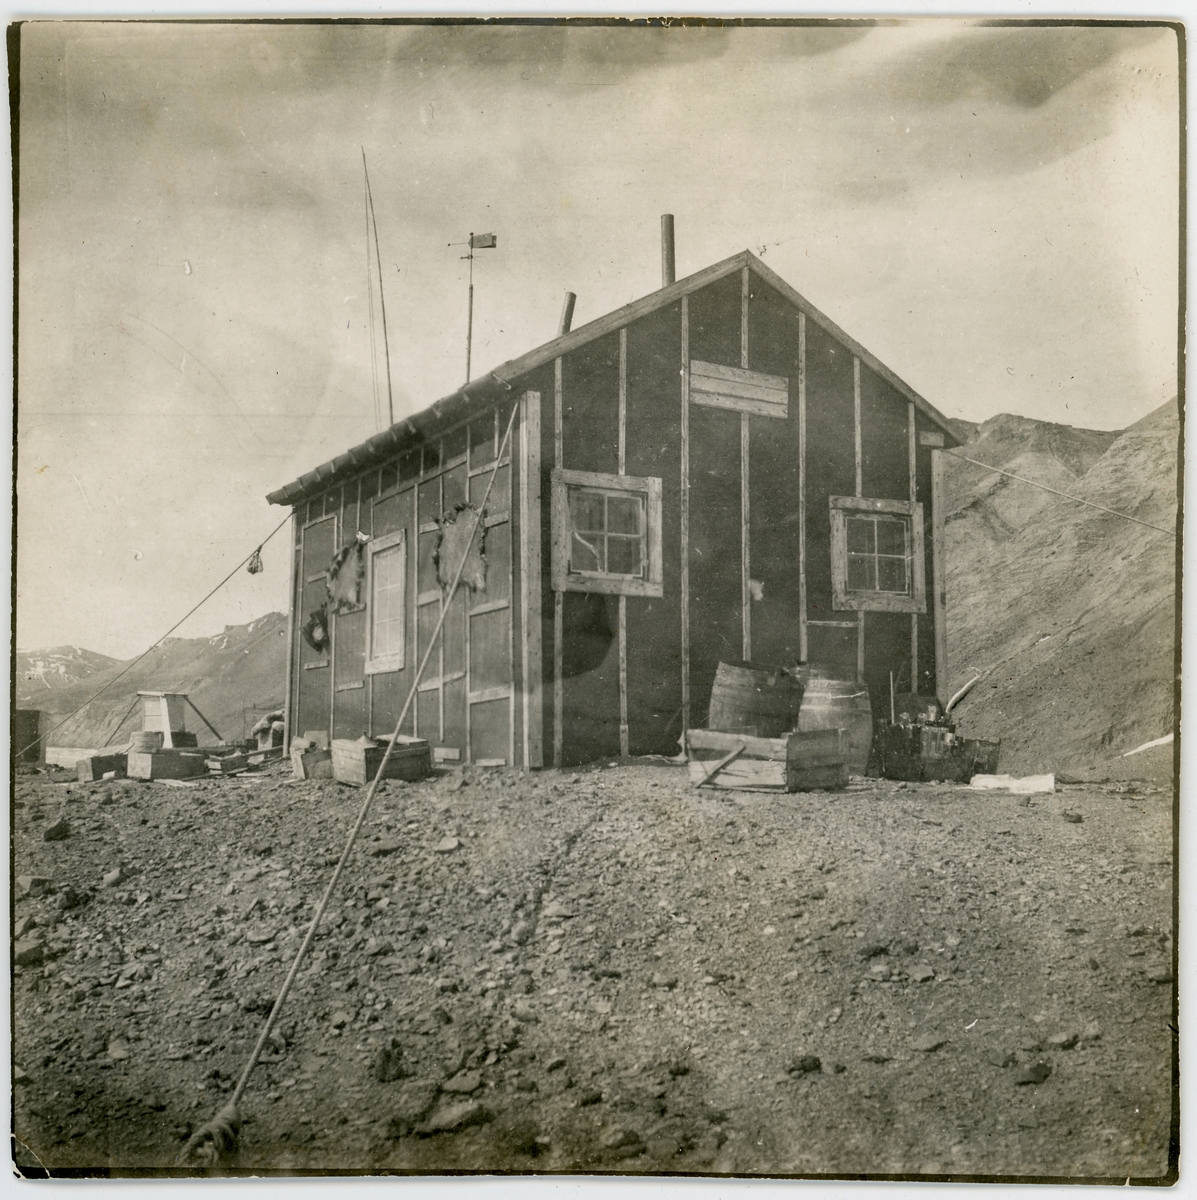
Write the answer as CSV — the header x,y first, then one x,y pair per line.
x,y
358,762
166,764
227,764
801,761
306,764
98,765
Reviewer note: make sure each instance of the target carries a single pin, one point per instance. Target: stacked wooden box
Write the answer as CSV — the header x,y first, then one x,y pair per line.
x,y
357,762
797,762
166,764
97,766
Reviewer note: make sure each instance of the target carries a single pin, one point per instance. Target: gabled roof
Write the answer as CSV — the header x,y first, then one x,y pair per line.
x,y
501,380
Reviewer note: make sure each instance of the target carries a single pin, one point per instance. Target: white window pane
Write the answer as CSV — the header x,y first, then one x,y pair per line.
x,y
386,601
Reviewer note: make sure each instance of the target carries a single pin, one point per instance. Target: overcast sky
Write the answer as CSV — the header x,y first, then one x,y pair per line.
x,y
991,211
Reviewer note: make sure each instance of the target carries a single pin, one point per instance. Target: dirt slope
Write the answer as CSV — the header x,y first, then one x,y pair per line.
x,y
601,971
1069,611
243,668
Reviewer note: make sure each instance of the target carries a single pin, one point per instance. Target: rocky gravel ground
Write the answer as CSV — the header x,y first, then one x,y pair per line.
x,y
598,971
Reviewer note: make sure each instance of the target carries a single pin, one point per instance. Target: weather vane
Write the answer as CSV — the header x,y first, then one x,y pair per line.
x,y
478,241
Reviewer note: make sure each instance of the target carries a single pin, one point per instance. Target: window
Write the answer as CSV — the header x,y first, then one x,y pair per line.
x,y
606,533
387,592
877,555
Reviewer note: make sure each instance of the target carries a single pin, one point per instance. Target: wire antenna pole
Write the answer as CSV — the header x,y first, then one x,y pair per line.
x,y
382,303
370,308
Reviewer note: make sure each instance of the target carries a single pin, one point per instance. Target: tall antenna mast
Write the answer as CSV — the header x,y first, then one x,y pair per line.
x,y
478,241
370,310
386,346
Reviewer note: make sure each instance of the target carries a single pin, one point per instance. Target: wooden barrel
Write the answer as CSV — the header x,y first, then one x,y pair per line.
x,y
747,697
832,703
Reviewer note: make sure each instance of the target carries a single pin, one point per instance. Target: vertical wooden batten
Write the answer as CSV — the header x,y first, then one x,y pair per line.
x,y
338,518
292,648
624,737
856,430
558,597
938,585
530,580
745,544
802,643
414,554
685,516
368,697
912,467
857,441
440,641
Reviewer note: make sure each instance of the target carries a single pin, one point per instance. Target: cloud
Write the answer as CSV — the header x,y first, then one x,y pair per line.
x,y
1022,67
917,109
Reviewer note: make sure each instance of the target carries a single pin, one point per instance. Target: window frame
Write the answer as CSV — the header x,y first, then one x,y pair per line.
x,y
615,585
396,660
868,600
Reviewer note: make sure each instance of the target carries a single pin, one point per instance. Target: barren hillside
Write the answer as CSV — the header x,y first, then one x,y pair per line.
x,y
1069,611
40,675
229,677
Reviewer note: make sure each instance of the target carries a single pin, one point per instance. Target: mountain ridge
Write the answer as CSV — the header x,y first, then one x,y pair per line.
x,y
230,677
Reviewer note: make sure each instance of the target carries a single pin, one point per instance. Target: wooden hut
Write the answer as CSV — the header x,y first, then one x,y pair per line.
x,y
713,472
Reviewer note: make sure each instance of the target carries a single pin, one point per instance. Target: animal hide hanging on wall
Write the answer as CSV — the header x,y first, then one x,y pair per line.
x,y
315,629
345,576
456,542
